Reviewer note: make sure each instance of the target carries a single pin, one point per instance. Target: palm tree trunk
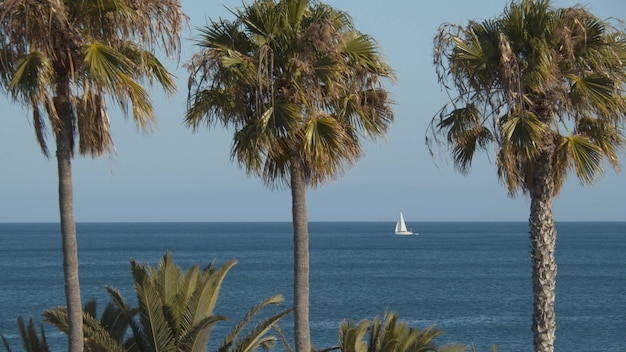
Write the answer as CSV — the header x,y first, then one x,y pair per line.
x,y
543,244
64,138
301,256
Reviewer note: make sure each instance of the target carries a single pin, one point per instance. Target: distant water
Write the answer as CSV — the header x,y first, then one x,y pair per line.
x,y
472,280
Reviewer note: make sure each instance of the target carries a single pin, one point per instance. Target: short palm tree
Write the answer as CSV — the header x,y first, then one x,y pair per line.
x,y
301,87
545,87
174,313
390,334
61,58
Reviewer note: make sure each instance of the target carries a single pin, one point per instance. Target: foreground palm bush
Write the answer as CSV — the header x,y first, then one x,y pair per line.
x,y
174,313
389,334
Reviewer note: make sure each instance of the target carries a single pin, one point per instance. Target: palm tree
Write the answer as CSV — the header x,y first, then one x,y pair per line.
x,y
545,87
301,87
390,334
61,58
174,313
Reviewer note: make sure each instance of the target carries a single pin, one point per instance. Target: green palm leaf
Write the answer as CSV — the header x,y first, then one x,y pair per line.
x,y
522,131
257,337
585,157
98,338
31,341
470,53
605,135
127,314
351,337
33,74
466,135
147,67
196,337
207,291
158,334
257,334
111,71
594,92
328,144
106,66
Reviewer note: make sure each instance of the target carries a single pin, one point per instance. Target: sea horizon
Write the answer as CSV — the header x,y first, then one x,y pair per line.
x,y
311,221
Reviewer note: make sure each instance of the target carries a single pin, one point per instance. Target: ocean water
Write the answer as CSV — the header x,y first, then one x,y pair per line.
x,y
471,280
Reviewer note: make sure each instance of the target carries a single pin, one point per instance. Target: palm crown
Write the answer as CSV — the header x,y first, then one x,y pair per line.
x,y
292,79
84,51
533,79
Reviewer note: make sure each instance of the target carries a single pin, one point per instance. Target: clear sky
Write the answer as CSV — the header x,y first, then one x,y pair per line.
x,y
176,175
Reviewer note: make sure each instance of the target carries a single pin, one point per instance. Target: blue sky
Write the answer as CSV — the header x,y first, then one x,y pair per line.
x,y
173,174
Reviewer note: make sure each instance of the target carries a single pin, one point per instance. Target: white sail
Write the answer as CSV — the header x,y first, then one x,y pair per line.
x,y
401,227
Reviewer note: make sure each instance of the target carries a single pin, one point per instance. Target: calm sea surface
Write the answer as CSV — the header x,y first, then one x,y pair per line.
x,y
471,280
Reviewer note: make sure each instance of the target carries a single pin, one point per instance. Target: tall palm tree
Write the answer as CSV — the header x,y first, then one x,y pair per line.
x,y
61,58
545,87
301,87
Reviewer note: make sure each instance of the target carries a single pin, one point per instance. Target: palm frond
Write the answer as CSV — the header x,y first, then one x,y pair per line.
x,y
154,23
58,318
106,67
594,92
330,146
585,157
367,111
148,67
93,125
127,314
468,53
352,337
154,323
113,72
256,333
98,338
31,340
465,134
258,336
5,343
522,131
207,292
466,146
363,51
608,137
248,149
196,337
33,74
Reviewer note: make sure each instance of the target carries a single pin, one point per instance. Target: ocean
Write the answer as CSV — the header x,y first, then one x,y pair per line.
x,y
469,279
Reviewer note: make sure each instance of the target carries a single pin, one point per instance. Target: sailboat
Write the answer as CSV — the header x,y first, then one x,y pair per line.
x,y
401,229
